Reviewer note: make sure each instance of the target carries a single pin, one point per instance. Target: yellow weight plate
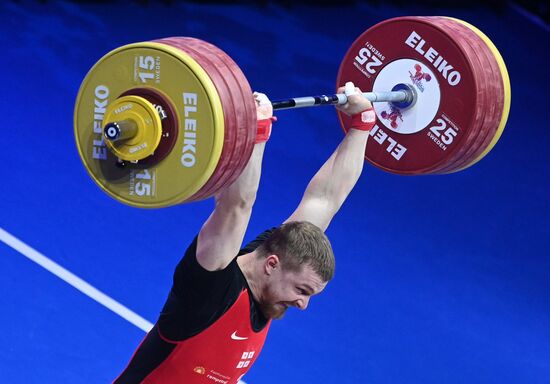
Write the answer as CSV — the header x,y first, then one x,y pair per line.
x,y
200,117
506,87
147,121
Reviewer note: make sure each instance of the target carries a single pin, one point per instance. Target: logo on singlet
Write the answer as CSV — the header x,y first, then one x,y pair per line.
x,y
235,337
246,359
199,370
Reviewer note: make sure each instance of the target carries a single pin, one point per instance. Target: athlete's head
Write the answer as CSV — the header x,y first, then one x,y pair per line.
x,y
298,262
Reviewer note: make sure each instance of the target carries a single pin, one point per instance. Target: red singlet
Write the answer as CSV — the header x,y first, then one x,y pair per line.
x,y
220,354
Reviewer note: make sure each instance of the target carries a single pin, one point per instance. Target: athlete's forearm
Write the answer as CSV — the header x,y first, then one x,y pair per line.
x,y
337,177
243,190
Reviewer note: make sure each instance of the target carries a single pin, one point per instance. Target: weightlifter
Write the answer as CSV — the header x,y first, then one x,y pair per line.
x,y
218,312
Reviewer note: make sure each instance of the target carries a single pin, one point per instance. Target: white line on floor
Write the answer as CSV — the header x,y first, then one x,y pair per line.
x,y
75,281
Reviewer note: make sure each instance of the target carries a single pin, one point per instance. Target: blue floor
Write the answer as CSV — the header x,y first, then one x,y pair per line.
x,y
439,279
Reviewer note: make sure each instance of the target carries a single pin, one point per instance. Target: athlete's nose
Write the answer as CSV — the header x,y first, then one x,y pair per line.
x,y
302,303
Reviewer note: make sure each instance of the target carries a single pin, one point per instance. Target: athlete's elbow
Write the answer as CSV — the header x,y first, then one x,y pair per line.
x,y
338,198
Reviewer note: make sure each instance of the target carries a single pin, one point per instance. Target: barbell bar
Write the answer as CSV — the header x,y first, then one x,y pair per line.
x,y
120,130
406,97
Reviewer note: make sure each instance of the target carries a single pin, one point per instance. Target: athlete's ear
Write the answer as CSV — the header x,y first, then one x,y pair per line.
x,y
271,263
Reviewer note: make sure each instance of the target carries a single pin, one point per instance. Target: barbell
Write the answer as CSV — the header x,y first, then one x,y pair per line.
x,y
170,121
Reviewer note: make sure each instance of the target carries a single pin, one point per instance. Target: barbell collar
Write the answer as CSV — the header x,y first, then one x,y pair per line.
x,y
120,130
401,96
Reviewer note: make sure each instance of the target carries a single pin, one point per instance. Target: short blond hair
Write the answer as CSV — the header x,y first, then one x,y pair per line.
x,y
299,243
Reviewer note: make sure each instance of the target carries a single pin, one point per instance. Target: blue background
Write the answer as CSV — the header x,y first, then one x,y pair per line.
x,y
440,279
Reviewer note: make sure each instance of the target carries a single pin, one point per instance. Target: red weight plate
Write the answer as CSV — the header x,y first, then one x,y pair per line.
x,y
488,126
471,142
497,107
202,53
244,108
245,137
245,120
435,51
228,110
249,121
495,93
503,85
476,54
477,49
203,58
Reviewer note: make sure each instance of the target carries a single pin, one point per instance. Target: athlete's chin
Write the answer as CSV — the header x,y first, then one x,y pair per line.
x,y
275,312
279,315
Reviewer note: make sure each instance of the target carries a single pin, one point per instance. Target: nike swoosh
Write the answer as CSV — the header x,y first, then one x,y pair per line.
x,y
235,337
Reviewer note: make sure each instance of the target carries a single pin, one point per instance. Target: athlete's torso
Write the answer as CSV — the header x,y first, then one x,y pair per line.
x,y
209,331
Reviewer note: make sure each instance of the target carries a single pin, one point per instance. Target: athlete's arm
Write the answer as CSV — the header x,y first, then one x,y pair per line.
x,y
222,234
331,185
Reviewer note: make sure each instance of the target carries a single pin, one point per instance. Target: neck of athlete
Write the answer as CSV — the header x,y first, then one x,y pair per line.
x,y
252,270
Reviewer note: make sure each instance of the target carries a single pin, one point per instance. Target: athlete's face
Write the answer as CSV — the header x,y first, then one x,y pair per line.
x,y
285,289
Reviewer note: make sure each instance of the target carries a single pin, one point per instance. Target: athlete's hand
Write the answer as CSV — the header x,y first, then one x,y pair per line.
x,y
264,114
357,103
264,109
